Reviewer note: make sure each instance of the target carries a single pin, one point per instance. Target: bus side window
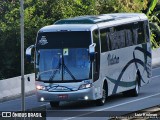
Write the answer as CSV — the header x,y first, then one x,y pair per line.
x,y
104,40
96,40
120,36
97,50
129,35
111,38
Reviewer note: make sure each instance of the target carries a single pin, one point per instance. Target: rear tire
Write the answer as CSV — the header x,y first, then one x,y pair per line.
x,y
54,104
134,92
102,101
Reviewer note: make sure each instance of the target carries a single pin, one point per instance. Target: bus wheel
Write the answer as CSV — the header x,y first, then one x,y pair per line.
x,y
102,101
134,92
54,104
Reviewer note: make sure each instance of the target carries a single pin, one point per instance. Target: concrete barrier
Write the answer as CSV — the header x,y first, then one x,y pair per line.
x,y
10,88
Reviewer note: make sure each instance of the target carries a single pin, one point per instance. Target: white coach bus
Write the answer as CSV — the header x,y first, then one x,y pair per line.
x,y
92,57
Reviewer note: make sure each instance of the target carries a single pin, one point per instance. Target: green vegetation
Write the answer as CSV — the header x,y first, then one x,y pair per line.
x,y
39,13
153,17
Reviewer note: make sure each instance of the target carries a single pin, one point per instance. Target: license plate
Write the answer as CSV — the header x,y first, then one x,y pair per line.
x,y
63,96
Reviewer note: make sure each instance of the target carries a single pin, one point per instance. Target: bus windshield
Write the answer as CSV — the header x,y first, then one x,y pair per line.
x,y
63,56
63,64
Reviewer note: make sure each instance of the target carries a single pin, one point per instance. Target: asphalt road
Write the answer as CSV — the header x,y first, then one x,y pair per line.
x,y
116,105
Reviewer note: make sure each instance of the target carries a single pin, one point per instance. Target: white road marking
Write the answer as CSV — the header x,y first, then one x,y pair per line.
x,y
155,76
155,68
113,106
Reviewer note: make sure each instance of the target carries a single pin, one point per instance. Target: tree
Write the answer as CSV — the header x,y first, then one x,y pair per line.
x,y
39,13
9,39
112,6
154,23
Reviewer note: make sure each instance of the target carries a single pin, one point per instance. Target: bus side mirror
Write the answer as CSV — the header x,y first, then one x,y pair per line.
x,y
92,51
28,53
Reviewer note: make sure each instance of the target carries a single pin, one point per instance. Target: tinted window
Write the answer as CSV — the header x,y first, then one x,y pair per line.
x,y
129,38
117,37
71,39
104,40
96,40
124,35
97,49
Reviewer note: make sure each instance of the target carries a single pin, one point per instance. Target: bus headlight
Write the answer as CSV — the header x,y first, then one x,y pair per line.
x,y
85,86
40,87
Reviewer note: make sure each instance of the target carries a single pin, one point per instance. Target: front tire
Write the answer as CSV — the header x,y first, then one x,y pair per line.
x,y
102,101
54,104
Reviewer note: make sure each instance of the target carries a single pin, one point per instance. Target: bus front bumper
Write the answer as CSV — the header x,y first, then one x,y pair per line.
x,y
84,94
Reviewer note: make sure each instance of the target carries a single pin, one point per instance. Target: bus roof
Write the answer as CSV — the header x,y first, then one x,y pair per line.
x,y
66,27
89,22
95,19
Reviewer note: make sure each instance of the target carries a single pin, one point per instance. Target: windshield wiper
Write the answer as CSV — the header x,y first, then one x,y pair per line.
x,y
63,67
55,72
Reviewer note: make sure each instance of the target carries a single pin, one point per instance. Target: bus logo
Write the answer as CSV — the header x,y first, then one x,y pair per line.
x,y
112,59
43,40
